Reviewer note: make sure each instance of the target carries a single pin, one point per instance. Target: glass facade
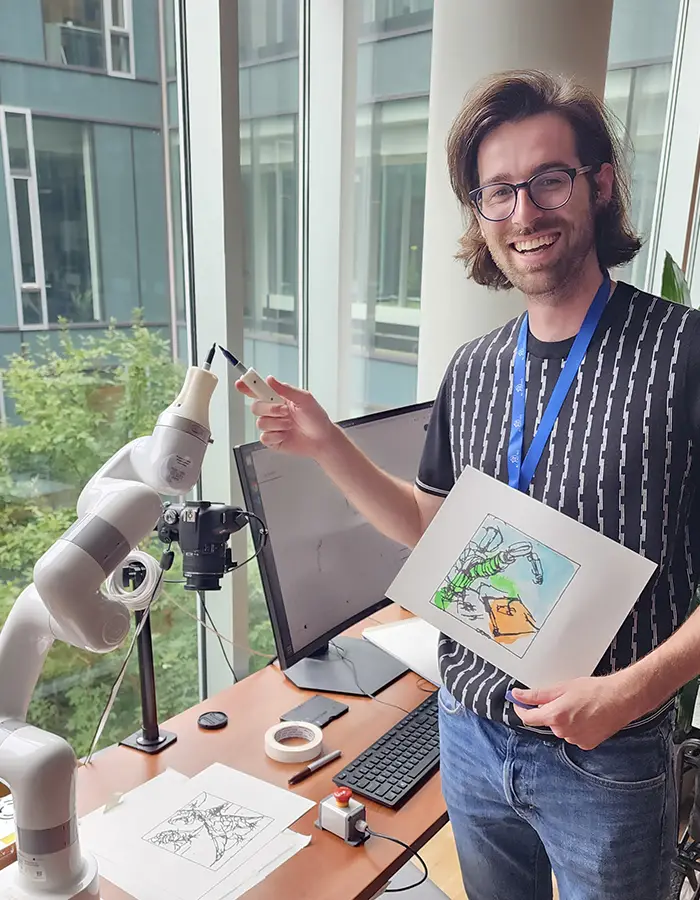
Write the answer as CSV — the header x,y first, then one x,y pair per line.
x,y
91,300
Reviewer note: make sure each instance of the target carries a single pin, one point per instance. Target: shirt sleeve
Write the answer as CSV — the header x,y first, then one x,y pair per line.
x,y
435,471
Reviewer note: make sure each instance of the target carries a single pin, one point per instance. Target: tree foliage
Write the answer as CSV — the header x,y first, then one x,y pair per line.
x,y
72,408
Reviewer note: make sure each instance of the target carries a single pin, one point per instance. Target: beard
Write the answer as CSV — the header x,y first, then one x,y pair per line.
x,y
547,279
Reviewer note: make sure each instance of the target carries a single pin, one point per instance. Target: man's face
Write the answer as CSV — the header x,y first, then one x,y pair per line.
x,y
539,251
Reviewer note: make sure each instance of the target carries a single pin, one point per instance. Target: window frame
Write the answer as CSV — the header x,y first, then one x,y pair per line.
x,y
126,30
39,284
109,28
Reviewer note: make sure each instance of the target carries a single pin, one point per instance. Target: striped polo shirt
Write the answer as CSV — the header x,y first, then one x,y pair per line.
x,y
620,459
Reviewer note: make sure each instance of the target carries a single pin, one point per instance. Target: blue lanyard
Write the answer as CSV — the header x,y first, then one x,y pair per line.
x,y
521,471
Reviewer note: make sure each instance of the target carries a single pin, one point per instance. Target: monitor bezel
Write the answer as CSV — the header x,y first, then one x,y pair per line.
x,y
267,568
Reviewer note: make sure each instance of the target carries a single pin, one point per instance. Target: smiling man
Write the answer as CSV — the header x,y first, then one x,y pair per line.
x,y
589,402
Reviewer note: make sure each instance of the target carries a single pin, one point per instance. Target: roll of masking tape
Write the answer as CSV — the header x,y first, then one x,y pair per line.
x,y
293,753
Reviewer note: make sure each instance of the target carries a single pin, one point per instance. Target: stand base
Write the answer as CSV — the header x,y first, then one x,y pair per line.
x,y
349,666
137,742
88,888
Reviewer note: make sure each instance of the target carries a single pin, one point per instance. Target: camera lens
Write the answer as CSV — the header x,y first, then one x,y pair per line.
x,y
202,581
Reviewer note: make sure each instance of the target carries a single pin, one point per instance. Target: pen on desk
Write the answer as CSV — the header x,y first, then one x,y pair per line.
x,y
311,768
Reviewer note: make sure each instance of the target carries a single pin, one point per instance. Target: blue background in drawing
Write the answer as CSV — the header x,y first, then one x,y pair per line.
x,y
558,570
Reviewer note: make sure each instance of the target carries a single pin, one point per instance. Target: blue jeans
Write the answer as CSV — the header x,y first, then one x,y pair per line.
x,y
522,805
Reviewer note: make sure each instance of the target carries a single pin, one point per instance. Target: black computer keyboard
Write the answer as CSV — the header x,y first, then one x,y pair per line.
x,y
400,761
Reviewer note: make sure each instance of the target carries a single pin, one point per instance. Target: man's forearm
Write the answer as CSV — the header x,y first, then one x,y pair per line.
x,y
385,501
665,670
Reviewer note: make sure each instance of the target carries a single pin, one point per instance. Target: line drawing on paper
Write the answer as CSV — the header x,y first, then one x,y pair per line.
x,y
505,584
208,831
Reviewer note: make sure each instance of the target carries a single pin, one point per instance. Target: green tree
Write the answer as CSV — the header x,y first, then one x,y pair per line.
x,y
74,407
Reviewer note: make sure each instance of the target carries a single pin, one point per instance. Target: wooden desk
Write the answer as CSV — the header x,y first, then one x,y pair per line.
x,y
327,868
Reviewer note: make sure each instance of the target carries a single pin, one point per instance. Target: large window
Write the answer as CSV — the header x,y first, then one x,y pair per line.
x,y
49,171
89,271
91,34
637,90
639,98
65,181
269,168
269,106
389,211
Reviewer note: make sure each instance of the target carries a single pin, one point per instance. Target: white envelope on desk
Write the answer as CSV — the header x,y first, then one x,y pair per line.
x,y
527,588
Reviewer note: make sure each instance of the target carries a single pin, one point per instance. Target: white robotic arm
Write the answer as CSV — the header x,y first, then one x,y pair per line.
x,y
117,509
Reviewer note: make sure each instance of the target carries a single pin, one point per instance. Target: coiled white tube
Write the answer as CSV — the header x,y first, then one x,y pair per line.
x,y
146,592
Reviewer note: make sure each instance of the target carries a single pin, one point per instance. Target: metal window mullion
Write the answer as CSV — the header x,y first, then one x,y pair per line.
x,y
328,67
91,214
215,221
181,83
303,189
674,193
12,215
107,33
35,218
404,247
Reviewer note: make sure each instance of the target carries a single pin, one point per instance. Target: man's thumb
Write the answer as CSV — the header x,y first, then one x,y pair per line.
x,y
538,696
288,391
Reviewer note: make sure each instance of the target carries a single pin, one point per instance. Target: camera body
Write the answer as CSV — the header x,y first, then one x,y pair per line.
x,y
202,530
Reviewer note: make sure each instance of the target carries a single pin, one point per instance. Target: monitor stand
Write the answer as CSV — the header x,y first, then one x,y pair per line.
x,y
346,666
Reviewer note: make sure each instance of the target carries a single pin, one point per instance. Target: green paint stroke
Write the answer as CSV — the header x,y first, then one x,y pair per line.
x,y
509,588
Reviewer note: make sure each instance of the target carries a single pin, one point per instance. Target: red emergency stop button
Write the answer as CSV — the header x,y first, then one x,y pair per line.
x,y
342,796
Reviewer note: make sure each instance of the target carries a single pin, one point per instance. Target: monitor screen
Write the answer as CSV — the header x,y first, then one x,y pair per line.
x,y
324,566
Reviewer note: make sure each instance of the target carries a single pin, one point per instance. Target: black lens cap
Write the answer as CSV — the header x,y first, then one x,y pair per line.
x,y
212,721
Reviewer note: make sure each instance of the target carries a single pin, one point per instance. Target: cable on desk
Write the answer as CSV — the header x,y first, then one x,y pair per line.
x,y
267,656
346,659
221,643
409,887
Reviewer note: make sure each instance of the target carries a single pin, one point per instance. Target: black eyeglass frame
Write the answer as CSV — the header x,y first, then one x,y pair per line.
x,y
527,185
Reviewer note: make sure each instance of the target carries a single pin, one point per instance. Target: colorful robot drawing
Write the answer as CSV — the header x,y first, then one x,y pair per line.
x,y
473,586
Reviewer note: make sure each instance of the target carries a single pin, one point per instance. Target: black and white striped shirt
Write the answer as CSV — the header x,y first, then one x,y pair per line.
x,y
620,459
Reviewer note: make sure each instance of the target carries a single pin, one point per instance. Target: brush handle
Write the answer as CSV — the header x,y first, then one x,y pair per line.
x,y
260,387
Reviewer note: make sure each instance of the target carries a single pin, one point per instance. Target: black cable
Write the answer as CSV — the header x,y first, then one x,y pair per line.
x,y
346,659
408,887
218,636
263,533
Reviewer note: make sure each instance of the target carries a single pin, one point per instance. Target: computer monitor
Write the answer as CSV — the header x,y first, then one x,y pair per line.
x,y
324,567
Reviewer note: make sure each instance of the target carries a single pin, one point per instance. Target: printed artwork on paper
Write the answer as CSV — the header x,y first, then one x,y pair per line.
x,y
505,584
208,831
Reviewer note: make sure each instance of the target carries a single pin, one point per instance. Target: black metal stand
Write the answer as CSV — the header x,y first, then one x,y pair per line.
x,y
151,738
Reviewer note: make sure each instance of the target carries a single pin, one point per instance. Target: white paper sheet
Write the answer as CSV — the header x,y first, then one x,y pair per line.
x,y
527,588
414,642
186,839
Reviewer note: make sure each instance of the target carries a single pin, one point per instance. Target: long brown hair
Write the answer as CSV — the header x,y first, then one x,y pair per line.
x,y
510,97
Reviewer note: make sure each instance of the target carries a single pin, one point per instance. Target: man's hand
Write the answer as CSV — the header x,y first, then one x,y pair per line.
x,y
585,711
299,425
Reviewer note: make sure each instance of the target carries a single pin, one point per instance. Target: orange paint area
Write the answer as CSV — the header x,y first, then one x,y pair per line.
x,y
510,620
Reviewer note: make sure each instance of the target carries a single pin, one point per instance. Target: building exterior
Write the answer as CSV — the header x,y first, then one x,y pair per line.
x,y
85,230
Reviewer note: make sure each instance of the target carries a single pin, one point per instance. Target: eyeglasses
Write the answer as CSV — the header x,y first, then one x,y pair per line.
x,y
547,190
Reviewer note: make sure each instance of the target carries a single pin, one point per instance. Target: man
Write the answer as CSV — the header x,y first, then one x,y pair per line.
x,y
582,782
